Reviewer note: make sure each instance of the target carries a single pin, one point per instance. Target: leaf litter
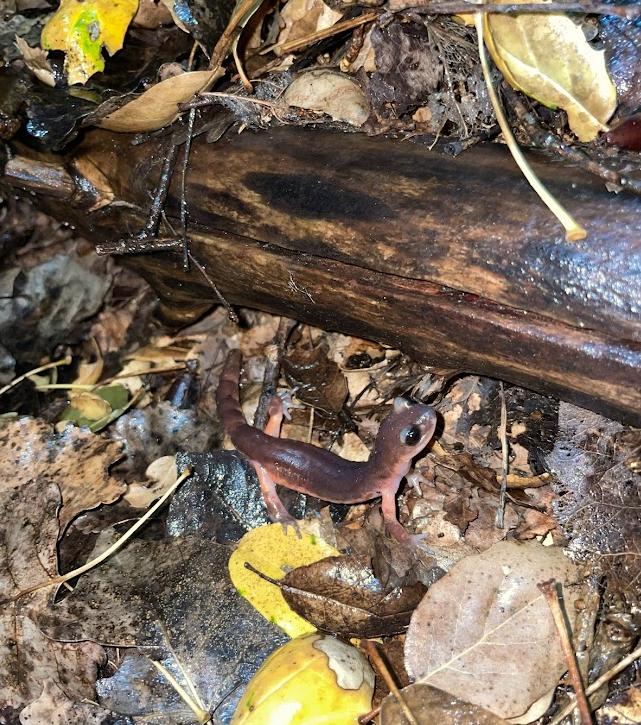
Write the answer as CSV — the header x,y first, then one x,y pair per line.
x,y
167,595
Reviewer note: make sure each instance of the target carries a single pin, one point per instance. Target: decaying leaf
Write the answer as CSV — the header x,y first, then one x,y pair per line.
x,y
174,595
55,706
318,380
315,678
82,29
221,499
340,594
36,60
329,92
274,552
548,57
75,460
430,705
30,661
303,17
158,106
484,631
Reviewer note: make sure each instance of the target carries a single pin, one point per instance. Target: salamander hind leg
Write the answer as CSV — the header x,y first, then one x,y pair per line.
x,y
275,507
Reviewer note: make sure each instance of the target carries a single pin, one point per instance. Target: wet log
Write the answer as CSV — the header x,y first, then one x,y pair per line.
x,y
453,260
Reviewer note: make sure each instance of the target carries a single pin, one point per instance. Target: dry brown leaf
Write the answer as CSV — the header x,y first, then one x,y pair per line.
x,y
28,660
430,705
158,106
36,60
303,17
547,57
75,460
329,92
484,631
340,594
54,706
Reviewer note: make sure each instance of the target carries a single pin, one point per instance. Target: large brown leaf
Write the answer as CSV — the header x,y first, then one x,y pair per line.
x,y
484,631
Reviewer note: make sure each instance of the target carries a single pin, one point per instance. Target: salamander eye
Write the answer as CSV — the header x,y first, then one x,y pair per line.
x,y
410,435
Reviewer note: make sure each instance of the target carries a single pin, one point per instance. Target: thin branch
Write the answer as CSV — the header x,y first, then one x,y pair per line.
x,y
551,594
381,666
292,45
573,231
505,455
454,7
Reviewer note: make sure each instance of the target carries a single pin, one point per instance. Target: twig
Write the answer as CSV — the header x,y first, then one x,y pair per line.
x,y
599,682
454,7
292,45
551,594
505,452
573,231
381,666
16,381
183,192
273,354
230,311
111,550
202,716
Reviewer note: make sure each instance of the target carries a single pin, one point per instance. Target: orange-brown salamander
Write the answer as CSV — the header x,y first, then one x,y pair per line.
x,y
318,472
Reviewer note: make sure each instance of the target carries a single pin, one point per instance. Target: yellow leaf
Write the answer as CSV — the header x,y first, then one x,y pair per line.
x,y
547,57
90,406
158,106
312,679
273,552
82,28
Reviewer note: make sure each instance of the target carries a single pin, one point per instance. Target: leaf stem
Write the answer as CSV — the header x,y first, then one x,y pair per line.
x,y
573,230
35,371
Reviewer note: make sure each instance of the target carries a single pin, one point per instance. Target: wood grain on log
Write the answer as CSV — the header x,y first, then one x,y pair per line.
x,y
454,261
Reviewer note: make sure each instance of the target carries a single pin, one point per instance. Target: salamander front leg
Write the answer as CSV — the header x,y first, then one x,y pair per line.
x,y
275,508
388,506
278,408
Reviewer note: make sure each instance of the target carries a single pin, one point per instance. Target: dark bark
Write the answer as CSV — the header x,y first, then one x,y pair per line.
x,y
455,261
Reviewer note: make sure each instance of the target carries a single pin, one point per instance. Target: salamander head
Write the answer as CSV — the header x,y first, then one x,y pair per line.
x,y
406,430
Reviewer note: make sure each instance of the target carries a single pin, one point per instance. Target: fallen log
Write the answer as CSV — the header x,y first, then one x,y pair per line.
x,y
454,261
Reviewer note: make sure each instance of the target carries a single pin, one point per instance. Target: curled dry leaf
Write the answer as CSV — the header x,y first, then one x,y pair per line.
x,y
318,380
484,631
75,460
430,705
303,17
158,106
548,57
36,60
329,92
340,594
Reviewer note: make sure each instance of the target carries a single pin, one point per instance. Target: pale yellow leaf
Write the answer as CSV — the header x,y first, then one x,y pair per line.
x,y
330,92
547,57
274,552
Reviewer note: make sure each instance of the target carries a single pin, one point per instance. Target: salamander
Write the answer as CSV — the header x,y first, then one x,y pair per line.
x,y
312,470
